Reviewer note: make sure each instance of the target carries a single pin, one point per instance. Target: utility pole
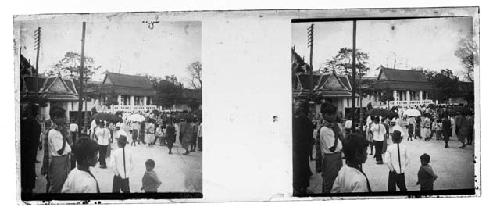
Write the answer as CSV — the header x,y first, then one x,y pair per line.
x,y
38,37
310,34
80,92
353,73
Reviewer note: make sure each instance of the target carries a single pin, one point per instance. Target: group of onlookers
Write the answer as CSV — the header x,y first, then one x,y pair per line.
x,y
68,155
333,141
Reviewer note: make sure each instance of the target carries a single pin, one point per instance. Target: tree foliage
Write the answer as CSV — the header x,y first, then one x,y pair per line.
x,y
169,91
342,62
446,85
467,51
69,66
194,70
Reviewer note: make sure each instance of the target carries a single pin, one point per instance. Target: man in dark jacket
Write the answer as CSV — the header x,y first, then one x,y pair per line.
x,y
30,139
302,147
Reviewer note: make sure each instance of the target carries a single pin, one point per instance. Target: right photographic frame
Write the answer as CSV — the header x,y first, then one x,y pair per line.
x,y
385,105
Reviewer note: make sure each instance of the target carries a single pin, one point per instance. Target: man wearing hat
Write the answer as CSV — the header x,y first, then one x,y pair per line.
x,y
121,164
397,161
331,144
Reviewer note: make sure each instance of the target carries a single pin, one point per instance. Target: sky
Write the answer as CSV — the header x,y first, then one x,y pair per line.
x,y
413,43
118,45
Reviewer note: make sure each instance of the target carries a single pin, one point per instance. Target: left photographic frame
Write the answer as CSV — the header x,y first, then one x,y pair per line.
x,y
123,122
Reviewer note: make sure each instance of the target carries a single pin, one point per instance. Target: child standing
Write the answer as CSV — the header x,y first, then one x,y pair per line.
x,y
426,175
150,181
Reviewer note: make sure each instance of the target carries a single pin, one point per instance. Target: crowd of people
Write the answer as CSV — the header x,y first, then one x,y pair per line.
x,y
69,153
332,140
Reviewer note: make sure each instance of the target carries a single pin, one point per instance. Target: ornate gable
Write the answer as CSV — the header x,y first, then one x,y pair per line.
x,y
332,83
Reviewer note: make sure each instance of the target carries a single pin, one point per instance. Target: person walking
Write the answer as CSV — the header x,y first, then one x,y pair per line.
x,y
411,128
135,133
170,135
446,130
200,139
459,123
331,146
103,139
301,148
397,161
195,134
426,123
418,126
378,131
466,131
186,134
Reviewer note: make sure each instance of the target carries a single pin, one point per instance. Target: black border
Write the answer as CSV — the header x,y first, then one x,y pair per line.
x,y
309,20
109,196
409,194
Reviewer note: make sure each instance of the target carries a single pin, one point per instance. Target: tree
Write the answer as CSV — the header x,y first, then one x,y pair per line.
x,y
468,54
169,91
342,62
69,66
194,70
446,85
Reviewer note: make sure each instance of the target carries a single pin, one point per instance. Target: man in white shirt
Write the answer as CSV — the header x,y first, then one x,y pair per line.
x,y
397,161
103,138
58,150
122,165
378,131
331,145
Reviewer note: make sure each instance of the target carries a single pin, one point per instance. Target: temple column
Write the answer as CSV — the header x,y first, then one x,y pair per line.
x,y
68,108
408,96
119,98
132,100
47,111
145,100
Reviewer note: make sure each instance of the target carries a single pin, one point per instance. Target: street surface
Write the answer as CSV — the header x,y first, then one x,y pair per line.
x,y
454,167
177,172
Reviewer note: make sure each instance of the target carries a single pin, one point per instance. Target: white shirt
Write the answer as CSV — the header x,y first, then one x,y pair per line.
x,y
378,131
117,162
73,127
199,131
391,158
350,180
55,140
348,124
102,135
79,181
327,140
92,126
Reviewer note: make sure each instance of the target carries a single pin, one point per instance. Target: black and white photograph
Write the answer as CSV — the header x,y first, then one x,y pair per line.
x,y
384,106
110,106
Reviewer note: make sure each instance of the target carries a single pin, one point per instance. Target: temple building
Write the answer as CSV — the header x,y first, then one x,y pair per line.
x,y
325,87
121,92
408,88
